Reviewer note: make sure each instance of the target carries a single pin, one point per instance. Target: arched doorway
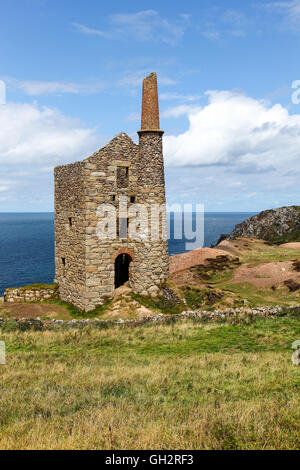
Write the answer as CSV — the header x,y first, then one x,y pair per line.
x,y
122,263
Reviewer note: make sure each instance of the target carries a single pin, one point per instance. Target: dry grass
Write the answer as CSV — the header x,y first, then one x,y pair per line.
x,y
187,386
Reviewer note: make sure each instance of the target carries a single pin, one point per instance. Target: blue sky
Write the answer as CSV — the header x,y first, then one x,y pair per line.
x,y
73,72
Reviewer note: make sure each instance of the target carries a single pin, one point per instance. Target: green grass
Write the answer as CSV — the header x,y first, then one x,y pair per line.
x,y
200,337
74,312
159,305
180,386
220,277
288,237
260,296
36,286
268,254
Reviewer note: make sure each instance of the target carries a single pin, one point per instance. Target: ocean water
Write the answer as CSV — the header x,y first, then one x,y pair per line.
x,y
27,244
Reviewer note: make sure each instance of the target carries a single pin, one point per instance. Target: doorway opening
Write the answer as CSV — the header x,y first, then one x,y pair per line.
x,y
122,263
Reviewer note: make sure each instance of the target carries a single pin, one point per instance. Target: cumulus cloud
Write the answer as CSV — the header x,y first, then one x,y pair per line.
x,y
42,136
33,140
147,25
244,152
240,132
181,110
169,96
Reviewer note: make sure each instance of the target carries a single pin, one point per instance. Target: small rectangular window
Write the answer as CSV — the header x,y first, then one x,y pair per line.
x,y
132,199
63,260
113,198
70,221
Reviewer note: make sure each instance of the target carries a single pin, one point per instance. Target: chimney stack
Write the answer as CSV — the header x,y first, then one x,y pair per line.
x,y
151,160
150,108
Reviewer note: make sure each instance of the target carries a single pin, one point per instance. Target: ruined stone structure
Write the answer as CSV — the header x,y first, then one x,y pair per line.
x,y
33,293
89,268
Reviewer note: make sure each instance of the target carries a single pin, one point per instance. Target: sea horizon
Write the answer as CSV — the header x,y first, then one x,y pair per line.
x,y
27,243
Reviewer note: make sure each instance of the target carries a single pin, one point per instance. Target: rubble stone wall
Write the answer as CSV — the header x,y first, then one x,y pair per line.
x,y
30,294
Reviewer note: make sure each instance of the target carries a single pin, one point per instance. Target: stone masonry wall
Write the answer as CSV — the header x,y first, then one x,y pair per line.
x,y
101,187
154,266
87,278
30,294
70,233
240,314
121,168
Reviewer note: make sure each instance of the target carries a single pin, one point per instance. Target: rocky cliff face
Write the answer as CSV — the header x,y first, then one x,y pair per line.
x,y
269,225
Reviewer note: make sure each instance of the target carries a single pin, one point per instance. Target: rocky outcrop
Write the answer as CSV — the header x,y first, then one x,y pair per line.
x,y
268,225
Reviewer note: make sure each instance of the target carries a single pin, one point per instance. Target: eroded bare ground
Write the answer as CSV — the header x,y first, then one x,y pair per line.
x,y
193,258
267,274
261,263
204,272
292,245
32,310
122,306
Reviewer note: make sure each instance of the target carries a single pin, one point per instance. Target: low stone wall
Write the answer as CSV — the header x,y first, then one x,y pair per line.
x,y
33,293
37,324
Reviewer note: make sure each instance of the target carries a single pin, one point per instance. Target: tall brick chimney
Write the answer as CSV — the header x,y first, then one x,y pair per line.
x,y
150,140
150,108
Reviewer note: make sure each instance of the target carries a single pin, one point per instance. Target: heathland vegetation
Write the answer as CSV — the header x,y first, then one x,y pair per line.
x,y
184,385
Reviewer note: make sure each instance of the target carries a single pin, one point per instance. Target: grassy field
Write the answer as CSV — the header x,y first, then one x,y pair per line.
x,y
179,386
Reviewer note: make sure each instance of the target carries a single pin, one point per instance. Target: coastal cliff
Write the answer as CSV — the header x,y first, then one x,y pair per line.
x,y
274,225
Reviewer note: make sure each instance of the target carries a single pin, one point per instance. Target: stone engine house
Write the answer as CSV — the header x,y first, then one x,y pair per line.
x,y
87,268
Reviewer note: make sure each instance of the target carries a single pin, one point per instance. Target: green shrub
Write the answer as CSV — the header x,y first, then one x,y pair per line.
x,y
9,326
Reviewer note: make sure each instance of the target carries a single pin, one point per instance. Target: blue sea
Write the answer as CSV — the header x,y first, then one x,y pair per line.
x,y
27,244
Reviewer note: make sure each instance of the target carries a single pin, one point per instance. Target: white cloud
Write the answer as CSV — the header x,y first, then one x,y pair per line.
x,y
42,136
230,22
181,110
92,31
211,34
239,132
236,21
290,10
245,153
34,87
147,25
169,96
32,141
37,88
